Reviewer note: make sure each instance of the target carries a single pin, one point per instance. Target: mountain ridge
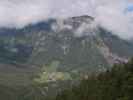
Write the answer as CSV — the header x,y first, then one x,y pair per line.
x,y
74,41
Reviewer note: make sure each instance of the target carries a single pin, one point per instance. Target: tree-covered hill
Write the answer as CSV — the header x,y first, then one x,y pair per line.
x,y
114,84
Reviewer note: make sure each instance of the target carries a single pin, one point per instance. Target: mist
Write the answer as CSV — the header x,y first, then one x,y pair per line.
x,y
114,15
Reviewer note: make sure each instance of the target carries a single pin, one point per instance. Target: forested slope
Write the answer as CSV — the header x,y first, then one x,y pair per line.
x,y
114,84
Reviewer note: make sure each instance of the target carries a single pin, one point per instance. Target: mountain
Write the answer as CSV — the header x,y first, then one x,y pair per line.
x,y
70,45
41,59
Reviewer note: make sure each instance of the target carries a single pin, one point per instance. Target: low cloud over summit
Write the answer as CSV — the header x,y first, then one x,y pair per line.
x,y
114,15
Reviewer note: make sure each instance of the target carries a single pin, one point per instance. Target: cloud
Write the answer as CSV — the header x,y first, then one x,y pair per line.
x,y
15,13
86,29
114,18
110,14
18,13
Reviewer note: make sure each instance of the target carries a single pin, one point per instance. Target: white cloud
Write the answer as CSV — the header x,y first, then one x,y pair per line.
x,y
15,13
86,29
108,13
114,18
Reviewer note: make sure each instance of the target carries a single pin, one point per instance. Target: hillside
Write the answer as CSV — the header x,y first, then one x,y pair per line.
x,y
41,59
61,47
114,84
73,42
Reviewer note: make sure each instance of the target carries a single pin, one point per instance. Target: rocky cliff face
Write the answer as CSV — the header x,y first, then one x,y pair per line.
x,y
76,43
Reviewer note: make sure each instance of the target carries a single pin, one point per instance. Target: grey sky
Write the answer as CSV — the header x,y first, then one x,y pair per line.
x,y
108,13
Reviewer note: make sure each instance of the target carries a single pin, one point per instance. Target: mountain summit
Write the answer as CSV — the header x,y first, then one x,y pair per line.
x,y
76,43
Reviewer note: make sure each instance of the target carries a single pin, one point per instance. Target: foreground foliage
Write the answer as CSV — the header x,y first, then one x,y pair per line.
x,y
114,84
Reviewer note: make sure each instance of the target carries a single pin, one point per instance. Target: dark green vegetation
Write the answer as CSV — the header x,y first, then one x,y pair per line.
x,y
33,91
114,84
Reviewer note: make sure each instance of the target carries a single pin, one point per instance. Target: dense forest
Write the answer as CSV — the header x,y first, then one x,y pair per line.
x,y
114,84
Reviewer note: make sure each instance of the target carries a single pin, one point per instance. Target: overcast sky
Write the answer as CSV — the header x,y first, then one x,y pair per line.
x,y
115,15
